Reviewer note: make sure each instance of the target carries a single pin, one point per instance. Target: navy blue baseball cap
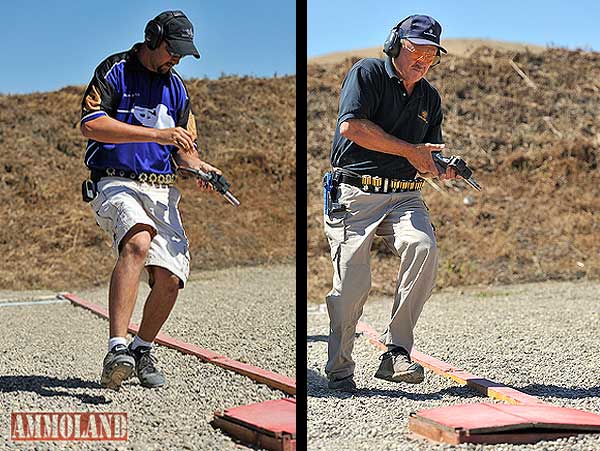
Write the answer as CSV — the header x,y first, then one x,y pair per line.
x,y
422,30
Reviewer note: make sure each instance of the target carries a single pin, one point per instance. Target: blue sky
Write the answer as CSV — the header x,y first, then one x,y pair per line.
x,y
50,44
336,25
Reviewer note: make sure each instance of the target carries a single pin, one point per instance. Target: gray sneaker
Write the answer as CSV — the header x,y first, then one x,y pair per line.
x,y
117,367
396,366
145,370
346,384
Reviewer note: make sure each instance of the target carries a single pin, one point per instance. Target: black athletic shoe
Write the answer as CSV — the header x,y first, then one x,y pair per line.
x,y
346,384
396,366
118,366
145,370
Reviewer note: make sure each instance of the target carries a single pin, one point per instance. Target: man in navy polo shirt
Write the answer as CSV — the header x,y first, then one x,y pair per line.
x,y
388,124
137,116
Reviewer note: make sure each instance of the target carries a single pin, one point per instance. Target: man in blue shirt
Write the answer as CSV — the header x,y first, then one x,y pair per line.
x,y
388,125
137,115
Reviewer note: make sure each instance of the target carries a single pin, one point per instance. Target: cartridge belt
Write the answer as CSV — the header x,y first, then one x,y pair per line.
x,y
145,177
376,184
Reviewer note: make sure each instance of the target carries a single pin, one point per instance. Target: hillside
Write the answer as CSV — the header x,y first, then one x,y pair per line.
x,y
456,47
535,150
48,236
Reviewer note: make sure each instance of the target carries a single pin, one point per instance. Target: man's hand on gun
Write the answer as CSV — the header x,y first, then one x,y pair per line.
x,y
205,167
422,160
212,177
430,163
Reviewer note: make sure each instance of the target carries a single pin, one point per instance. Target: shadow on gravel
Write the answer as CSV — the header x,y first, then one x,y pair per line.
x,y
324,338
561,392
317,388
51,386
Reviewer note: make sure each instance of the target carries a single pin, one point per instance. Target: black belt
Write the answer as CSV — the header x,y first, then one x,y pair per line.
x,y
146,177
376,184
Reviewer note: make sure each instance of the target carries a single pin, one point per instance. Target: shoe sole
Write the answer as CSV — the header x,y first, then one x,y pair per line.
x,y
409,378
117,373
152,386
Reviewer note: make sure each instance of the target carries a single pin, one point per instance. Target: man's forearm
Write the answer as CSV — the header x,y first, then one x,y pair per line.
x,y
187,160
108,130
370,136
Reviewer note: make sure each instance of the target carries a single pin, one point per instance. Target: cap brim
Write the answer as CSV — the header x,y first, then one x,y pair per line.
x,y
421,41
184,47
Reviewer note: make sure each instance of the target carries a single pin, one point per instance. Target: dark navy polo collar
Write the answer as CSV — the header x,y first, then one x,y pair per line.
x,y
389,68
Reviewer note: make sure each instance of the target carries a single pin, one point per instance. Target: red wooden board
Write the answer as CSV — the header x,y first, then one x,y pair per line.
x,y
501,423
277,416
486,417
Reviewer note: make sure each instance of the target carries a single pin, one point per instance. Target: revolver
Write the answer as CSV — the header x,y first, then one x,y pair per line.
x,y
217,181
458,164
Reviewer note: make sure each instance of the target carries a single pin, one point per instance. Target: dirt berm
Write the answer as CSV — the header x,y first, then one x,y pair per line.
x,y
534,146
48,236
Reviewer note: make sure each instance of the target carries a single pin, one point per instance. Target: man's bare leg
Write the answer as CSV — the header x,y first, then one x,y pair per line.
x,y
118,364
125,278
159,303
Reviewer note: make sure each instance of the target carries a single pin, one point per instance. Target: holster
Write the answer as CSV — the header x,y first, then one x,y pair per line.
x,y
330,194
89,191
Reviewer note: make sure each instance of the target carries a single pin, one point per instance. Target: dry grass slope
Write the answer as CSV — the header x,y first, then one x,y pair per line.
x,y
49,238
455,47
535,151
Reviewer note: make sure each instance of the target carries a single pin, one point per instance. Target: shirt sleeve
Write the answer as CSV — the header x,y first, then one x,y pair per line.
x,y
434,129
99,97
185,116
360,94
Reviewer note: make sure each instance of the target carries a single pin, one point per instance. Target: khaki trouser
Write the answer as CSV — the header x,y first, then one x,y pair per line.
x,y
402,220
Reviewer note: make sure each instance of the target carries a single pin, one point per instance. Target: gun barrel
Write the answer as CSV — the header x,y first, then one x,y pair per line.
x,y
471,181
232,199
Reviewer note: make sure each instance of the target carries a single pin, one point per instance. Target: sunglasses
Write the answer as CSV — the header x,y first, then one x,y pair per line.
x,y
429,57
172,53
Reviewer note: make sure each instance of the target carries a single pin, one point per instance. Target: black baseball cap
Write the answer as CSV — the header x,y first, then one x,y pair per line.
x,y
178,31
420,29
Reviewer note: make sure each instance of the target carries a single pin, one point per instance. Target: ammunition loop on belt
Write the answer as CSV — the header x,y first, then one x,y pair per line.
x,y
152,178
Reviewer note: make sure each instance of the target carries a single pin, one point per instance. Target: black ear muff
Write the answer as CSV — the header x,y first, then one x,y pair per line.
x,y
393,43
153,34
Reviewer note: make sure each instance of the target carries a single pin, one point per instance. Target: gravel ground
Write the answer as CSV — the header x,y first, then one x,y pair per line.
x,y
50,360
538,338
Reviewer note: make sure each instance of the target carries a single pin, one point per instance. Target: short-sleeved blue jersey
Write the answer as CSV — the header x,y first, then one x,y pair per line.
x,y
124,89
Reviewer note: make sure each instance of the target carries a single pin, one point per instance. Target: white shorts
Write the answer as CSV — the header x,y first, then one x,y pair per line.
x,y
122,203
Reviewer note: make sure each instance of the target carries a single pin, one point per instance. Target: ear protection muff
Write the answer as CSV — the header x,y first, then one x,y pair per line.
x,y
393,43
154,31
